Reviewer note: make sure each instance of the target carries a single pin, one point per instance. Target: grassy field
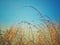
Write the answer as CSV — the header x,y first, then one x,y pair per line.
x,y
27,34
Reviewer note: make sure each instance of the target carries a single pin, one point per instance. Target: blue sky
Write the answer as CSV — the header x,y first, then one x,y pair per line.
x,y
12,11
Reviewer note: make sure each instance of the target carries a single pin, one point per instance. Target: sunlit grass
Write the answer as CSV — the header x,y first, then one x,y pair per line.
x,y
25,35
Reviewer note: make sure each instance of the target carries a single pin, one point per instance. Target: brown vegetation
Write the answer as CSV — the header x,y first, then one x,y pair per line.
x,y
24,36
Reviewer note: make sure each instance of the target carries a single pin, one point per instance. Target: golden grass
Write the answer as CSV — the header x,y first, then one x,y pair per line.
x,y
25,36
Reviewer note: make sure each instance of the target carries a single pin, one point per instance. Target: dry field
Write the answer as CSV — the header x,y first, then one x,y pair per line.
x,y
27,34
